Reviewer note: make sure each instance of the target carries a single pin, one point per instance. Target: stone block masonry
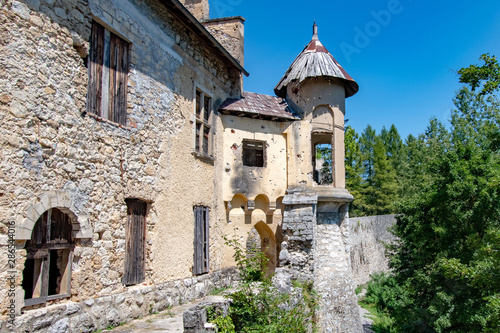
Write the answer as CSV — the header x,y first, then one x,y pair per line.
x,y
56,155
101,312
315,248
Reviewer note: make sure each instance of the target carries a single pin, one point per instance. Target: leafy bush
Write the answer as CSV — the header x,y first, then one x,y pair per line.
x,y
251,265
258,306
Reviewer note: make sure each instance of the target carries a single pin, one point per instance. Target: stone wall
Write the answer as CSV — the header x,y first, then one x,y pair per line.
x,y
49,144
229,31
101,312
367,238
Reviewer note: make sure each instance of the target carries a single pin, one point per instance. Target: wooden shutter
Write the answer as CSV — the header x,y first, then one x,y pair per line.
x,y
96,56
206,248
134,272
201,240
118,63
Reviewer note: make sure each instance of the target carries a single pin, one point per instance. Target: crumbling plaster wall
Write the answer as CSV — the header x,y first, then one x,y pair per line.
x,y
304,97
49,143
271,179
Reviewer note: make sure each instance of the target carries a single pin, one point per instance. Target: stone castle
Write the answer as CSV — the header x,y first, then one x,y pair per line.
x,y
129,148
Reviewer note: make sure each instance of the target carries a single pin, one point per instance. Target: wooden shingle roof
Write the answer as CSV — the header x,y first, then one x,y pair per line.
x,y
258,106
315,61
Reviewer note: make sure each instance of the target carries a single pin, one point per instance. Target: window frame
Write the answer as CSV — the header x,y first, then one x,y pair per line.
x,y
203,119
40,255
245,150
108,68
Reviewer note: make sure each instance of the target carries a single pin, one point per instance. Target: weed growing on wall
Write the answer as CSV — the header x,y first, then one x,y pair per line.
x,y
258,306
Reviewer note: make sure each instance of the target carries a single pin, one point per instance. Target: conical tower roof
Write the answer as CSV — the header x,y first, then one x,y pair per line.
x,y
315,61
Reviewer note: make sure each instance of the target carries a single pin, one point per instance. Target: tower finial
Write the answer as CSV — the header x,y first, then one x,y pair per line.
x,y
315,31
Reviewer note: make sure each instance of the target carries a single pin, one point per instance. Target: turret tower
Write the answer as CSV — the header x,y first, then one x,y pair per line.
x,y
316,87
316,205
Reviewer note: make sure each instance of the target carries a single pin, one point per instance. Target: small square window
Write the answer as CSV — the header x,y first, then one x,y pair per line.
x,y
254,153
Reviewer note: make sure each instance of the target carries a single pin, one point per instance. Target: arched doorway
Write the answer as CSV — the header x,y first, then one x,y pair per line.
x,y
262,238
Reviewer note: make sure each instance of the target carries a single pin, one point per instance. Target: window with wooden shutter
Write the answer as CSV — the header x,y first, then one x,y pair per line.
x,y
49,255
254,153
203,124
108,69
201,240
135,241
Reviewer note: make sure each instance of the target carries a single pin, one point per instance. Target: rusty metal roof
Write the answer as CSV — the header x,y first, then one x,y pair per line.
x,y
259,106
315,61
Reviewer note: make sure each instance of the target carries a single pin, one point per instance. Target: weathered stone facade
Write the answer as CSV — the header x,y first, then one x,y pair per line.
x,y
193,158
316,248
56,155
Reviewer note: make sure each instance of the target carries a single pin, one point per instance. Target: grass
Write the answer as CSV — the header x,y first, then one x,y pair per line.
x,y
382,322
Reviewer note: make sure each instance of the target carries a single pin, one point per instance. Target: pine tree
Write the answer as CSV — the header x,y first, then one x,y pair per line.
x,y
353,169
381,195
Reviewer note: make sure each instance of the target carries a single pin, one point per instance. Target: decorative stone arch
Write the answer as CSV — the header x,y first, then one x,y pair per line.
x,y
262,203
322,119
237,209
238,201
61,200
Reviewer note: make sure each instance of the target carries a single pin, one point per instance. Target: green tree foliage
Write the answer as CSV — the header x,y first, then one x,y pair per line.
x,y
367,145
353,169
394,147
446,263
487,75
384,182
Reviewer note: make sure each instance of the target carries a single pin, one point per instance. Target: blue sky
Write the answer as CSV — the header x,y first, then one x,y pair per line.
x,y
405,64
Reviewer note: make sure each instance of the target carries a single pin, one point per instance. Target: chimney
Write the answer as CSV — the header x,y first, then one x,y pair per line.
x,y
199,8
230,33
